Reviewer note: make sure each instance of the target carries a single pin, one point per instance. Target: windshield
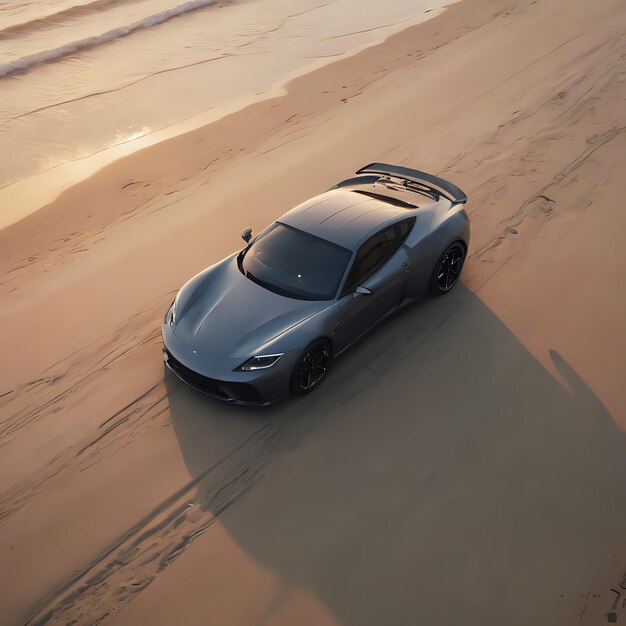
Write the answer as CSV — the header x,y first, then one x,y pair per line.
x,y
295,264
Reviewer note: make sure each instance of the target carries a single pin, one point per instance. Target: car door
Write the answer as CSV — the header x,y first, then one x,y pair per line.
x,y
381,265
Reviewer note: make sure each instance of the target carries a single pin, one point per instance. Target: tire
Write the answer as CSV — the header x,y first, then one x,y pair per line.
x,y
303,382
448,269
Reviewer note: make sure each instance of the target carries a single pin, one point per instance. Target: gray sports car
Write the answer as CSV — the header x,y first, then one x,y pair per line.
x,y
265,322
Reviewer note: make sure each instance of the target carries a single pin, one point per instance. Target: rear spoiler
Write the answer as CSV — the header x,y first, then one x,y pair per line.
x,y
433,183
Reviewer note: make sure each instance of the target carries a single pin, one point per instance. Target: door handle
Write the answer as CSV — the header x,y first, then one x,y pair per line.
x,y
406,267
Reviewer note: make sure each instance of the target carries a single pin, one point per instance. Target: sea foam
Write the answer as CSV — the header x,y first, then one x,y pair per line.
x,y
27,62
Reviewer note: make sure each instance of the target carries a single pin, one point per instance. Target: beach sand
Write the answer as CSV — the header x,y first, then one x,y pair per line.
x,y
464,464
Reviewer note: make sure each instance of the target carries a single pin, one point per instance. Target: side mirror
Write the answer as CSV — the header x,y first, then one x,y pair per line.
x,y
246,234
363,291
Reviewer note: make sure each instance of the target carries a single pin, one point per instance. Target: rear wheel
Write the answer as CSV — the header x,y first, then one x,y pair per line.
x,y
311,368
448,269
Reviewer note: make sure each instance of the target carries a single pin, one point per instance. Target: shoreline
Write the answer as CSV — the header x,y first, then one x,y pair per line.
x,y
324,85
35,192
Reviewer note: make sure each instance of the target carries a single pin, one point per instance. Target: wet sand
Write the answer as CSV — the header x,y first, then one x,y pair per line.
x,y
88,85
463,464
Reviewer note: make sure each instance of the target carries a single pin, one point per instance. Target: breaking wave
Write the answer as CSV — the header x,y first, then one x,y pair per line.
x,y
53,19
27,62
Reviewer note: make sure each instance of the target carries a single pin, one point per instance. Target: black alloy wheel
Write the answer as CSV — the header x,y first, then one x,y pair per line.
x,y
448,269
311,368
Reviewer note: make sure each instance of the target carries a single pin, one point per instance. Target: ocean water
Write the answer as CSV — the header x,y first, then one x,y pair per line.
x,y
78,77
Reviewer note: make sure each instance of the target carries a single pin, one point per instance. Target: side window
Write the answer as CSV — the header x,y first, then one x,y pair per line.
x,y
376,251
404,228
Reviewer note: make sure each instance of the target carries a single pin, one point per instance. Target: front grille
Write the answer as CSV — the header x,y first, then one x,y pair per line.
x,y
229,391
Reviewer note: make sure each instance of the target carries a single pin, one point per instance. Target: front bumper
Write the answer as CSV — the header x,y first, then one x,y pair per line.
x,y
260,387
233,392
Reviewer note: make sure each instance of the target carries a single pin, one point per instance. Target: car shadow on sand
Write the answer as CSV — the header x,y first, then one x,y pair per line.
x,y
441,475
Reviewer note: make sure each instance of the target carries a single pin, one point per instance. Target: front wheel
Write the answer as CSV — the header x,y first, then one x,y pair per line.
x,y
448,269
311,368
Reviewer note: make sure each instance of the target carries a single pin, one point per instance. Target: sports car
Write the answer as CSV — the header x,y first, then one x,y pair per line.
x,y
267,321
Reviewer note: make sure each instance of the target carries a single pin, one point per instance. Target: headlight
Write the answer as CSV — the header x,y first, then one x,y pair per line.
x,y
174,305
260,362
170,316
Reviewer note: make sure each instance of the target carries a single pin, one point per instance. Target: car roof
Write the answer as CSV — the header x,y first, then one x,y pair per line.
x,y
344,217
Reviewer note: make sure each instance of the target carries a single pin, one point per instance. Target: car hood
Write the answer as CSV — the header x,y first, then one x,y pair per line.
x,y
228,315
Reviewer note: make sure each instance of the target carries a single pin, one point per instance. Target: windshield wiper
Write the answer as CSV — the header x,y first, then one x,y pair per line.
x,y
271,286
281,291
253,278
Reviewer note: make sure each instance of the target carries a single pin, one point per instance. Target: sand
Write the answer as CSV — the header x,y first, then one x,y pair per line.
x,y
462,465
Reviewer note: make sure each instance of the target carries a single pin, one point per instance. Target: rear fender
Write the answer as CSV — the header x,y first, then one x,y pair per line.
x,y
427,252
